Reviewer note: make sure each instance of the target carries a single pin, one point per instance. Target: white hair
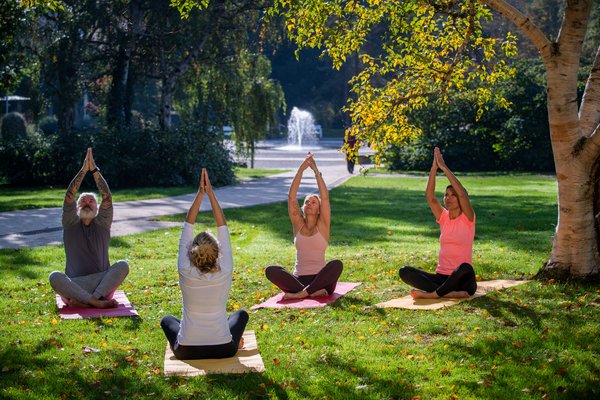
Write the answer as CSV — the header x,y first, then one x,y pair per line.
x,y
85,213
87,194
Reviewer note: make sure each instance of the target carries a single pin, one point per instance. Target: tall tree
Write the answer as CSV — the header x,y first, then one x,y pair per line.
x,y
258,98
179,43
434,48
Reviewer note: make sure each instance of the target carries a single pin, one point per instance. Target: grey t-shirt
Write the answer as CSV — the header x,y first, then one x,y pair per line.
x,y
86,247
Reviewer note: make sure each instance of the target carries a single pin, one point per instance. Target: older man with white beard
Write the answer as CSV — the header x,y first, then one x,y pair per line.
x,y
89,279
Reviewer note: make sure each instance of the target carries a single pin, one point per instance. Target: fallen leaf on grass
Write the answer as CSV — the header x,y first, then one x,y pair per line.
x,y
88,349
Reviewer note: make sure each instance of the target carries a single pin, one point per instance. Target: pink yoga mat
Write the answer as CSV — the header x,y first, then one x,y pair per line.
x,y
123,310
277,301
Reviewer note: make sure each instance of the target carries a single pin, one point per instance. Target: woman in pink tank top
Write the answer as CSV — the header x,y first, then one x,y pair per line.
x,y
454,276
312,276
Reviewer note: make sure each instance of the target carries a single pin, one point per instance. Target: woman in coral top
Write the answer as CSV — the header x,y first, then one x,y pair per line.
x,y
454,276
312,276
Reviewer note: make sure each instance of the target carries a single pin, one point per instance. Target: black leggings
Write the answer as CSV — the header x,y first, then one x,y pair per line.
x,y
237,323
326,278
462,279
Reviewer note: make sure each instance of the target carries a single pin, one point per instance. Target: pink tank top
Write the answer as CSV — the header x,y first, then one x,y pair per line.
x,y
310,253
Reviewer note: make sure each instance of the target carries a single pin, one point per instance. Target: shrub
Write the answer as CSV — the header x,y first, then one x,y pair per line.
x,y
16,148
13,127
128,158
48,125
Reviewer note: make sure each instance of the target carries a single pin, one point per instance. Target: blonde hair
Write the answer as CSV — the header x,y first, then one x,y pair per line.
x,y
205,252
309,196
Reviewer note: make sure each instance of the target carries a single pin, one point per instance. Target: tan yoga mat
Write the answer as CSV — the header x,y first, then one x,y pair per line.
x,y
246,360
434,304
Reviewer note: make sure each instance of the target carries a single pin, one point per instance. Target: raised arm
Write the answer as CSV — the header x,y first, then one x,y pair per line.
x,y
192,213
214,203
463,197
432,200
325,214
71,193
293,207
100,182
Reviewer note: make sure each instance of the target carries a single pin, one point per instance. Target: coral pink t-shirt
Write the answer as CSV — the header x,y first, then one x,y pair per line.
x,y
456,242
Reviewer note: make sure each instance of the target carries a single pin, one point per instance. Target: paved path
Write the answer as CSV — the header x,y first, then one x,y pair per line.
x,y
42,227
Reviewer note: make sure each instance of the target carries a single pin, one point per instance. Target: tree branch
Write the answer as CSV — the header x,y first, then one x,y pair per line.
x,y
521,21
589,112
574,26
594,140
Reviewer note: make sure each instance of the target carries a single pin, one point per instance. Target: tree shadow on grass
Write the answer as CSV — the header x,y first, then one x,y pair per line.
x,y
23,262
119,242
87,373
507,312
351,380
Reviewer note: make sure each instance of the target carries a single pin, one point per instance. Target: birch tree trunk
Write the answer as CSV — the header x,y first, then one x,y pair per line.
x,y
574,137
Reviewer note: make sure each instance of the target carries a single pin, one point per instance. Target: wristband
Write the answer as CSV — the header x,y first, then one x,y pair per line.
x,y
95,170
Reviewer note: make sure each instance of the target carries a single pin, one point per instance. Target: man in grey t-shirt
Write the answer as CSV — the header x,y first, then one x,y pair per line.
x,y
89,279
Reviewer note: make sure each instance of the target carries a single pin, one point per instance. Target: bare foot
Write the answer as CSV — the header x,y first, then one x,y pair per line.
x,y
76,303
320,293
97,303
241,344
299,295
421,294
457,295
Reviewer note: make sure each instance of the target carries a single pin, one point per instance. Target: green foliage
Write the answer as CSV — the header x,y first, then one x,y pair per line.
x,y
48,125
426,49
13,127
162,158
259,98
515,139
131,158
532,341
16,147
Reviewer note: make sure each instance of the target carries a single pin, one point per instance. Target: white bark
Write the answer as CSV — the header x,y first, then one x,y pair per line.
x,y
575,244
589,112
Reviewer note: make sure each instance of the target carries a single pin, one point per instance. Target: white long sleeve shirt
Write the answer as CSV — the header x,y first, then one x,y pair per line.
x,y
204,296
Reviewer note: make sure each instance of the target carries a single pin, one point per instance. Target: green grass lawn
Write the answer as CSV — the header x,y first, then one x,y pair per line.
x,y
31,198
252,173
537,340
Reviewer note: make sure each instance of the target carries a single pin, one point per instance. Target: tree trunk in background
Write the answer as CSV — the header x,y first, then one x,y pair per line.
x,y
66,91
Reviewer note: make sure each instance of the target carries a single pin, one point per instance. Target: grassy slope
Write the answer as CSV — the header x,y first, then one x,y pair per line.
x,y
525,342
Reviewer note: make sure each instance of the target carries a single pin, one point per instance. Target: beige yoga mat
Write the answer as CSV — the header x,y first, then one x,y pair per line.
x,y
247,359
433,304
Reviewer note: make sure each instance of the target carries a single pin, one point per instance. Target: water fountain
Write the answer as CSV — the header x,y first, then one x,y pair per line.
x,y
301,130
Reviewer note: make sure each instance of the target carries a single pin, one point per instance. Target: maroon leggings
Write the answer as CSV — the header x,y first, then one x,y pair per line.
x,y
326,278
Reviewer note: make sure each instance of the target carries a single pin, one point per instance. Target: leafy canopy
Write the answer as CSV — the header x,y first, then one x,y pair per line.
x,y
410,52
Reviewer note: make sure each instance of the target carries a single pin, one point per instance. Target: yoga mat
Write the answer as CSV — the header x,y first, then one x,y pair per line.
x,y
123,310
308,302
246,360
434,304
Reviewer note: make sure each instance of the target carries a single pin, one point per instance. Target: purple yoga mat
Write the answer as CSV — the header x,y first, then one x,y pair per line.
x,y
123,310
308,302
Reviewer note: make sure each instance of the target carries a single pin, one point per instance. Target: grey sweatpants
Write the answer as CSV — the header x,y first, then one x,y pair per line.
x,y
82,288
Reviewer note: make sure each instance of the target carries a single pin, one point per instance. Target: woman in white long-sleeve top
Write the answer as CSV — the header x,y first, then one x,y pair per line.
x,y
205,267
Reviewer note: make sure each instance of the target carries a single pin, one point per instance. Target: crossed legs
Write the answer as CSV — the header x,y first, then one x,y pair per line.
x,y
321,284
94,290
237,323
461,283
